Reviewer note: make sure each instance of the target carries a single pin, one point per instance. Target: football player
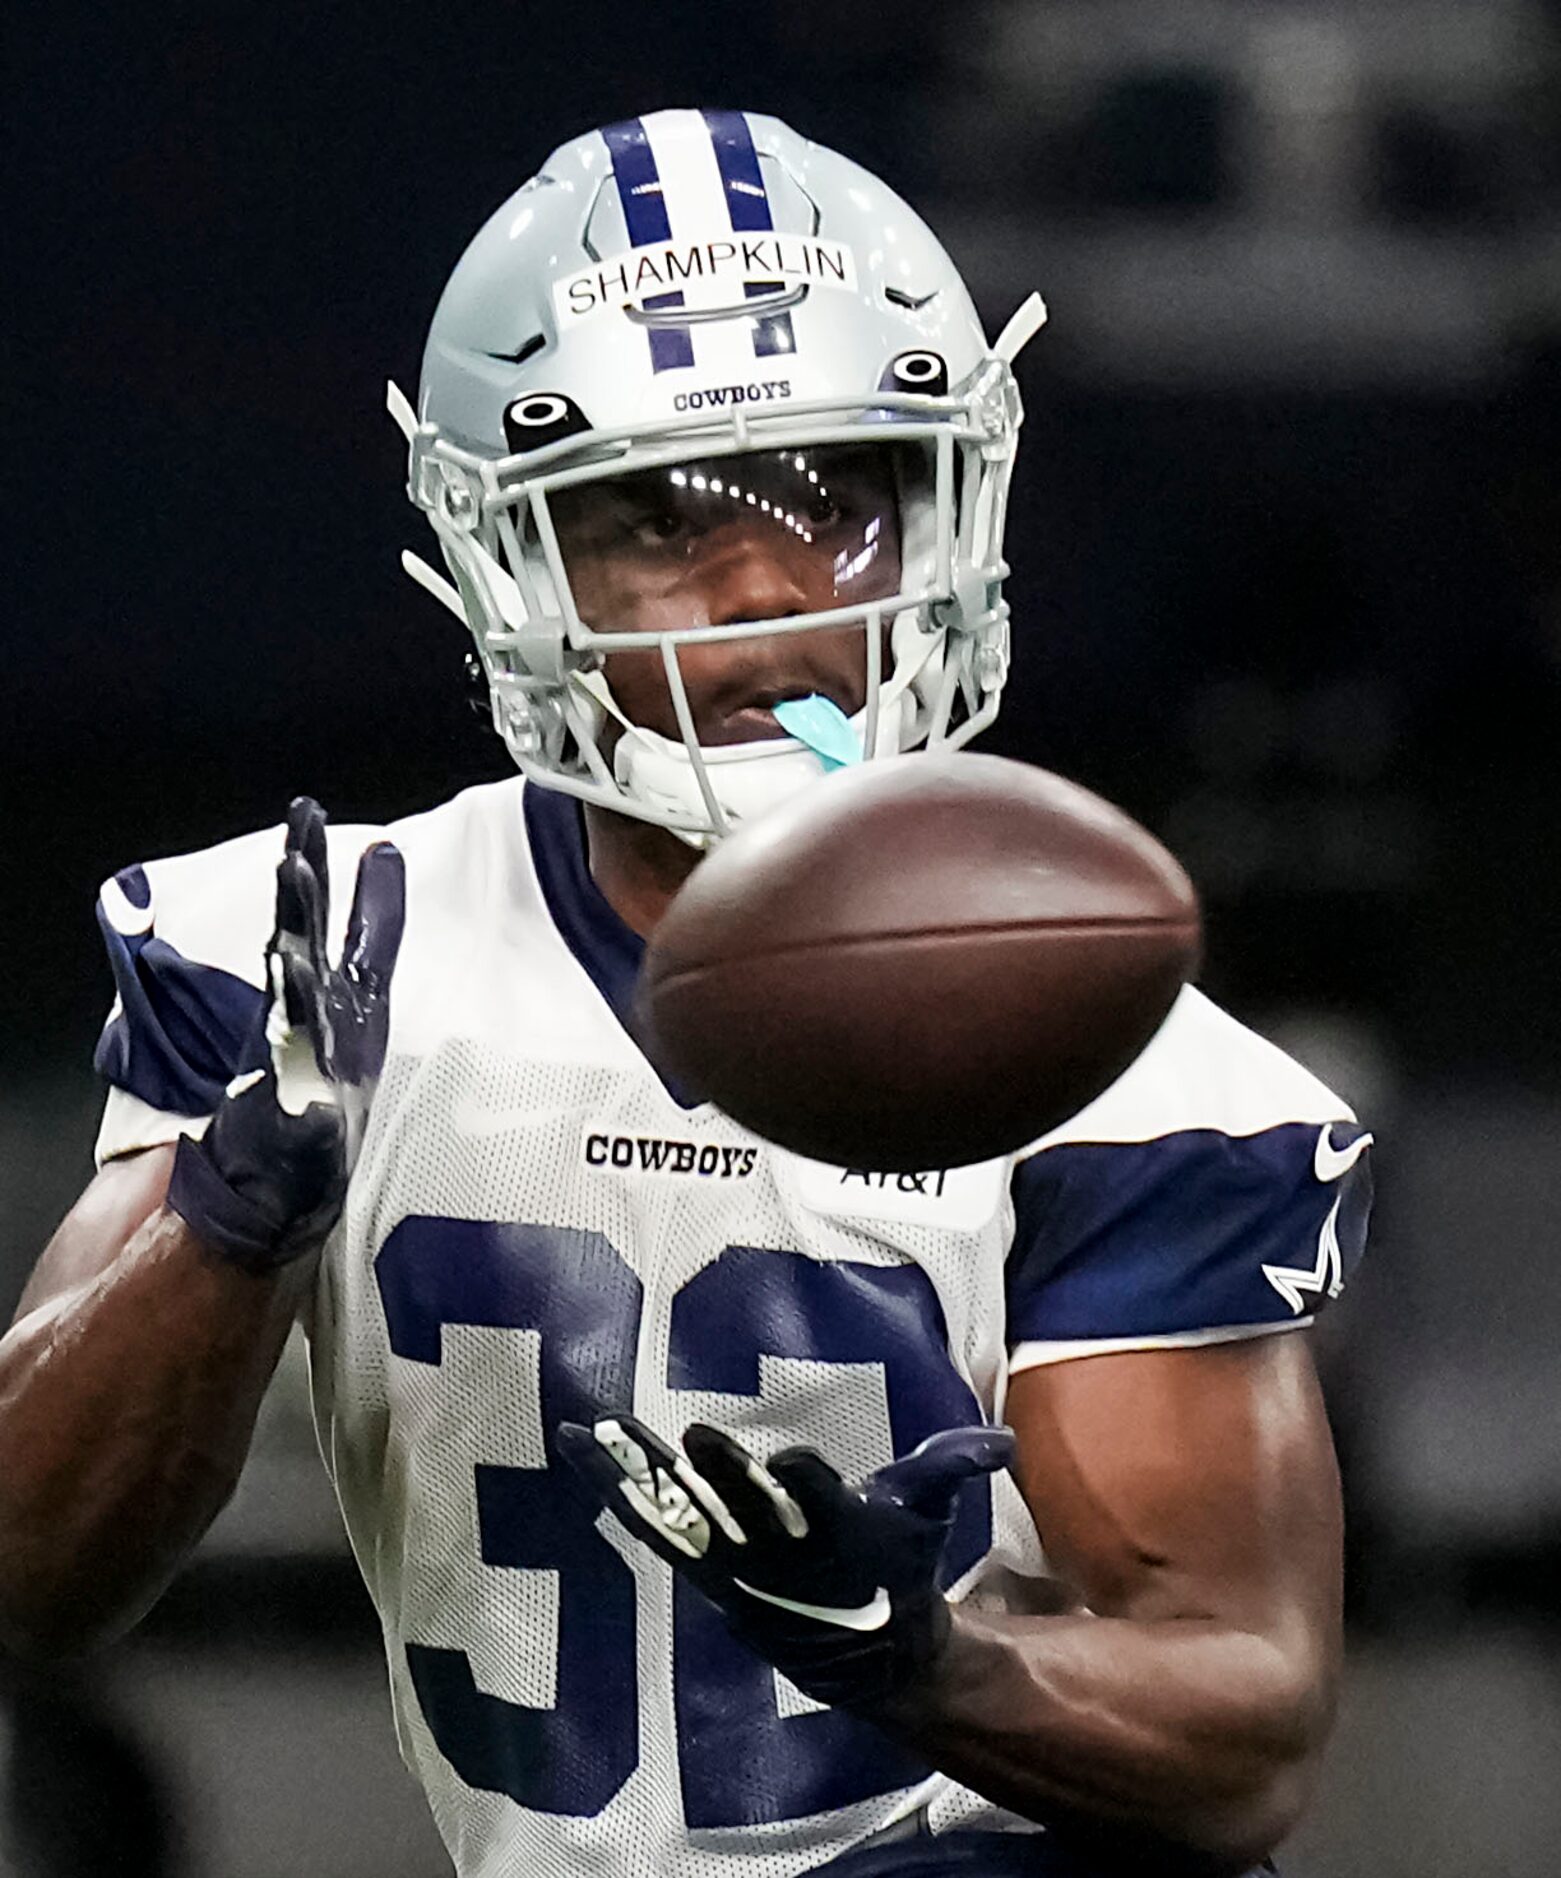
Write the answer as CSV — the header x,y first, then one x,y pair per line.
x,y
725,1512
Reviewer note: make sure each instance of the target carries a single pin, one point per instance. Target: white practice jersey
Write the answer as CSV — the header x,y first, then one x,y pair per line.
x,y
539,1231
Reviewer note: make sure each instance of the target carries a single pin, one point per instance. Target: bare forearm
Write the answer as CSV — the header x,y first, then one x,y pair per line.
x,y
1181,1733
126,1408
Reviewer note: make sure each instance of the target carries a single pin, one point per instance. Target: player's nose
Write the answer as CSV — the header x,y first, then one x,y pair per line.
x,y
751,576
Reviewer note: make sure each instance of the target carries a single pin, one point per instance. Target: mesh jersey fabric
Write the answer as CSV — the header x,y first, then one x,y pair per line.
x,y
539,1230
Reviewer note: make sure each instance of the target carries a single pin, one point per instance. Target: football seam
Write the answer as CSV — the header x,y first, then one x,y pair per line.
x,y
1104,928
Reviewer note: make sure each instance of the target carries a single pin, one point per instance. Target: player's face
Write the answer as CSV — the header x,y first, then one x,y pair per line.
x,y
769,535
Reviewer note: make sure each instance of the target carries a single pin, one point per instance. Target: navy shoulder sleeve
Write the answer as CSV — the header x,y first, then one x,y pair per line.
x,y
1194,1231
180,1027
186,938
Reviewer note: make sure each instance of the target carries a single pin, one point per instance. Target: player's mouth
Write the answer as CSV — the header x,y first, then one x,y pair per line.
x,y
754,721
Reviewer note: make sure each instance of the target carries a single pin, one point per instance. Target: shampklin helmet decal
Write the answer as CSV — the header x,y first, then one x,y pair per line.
x,y
667,294
652,273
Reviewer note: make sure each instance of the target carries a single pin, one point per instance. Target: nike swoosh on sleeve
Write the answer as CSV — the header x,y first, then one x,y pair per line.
x,y
1331,1163
872,1615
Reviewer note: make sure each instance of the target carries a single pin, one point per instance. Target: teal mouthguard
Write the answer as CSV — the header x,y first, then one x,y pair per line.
x,y
823,727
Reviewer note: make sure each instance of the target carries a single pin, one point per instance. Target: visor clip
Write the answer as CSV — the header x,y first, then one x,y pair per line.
x,y
968,607
519,728
991,668
458,504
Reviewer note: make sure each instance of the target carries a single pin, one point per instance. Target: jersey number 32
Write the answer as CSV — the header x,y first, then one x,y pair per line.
x,y
576,1302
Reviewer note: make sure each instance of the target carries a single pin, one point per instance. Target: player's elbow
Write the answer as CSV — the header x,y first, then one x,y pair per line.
x,y
1221,1824
43,1628
55,1608
1259,1787
1218,1828
1238,1832
33,1633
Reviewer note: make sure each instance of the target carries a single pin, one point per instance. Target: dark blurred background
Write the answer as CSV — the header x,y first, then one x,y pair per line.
x,y
1287,549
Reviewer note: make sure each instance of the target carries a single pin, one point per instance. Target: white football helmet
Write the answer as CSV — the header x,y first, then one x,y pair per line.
x,y
668,293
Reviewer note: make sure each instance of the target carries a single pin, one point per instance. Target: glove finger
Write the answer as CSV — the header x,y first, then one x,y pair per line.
x,y
649,1486
930,1476
658,1452
590,1460
306,836
299,997
377,920
300,911
761,1505
809,1479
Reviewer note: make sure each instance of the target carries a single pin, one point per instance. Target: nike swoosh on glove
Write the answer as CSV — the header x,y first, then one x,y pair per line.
x,y
835,1584
267,1181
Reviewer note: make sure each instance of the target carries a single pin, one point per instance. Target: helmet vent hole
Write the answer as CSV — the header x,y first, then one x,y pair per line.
x,y
912,302
527,349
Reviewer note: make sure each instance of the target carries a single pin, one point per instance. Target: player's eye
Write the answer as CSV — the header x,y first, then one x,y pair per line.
x,y
824,510
660,527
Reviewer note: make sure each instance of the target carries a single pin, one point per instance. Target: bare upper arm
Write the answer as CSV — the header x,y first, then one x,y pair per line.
x,y
1190,1483
118,1198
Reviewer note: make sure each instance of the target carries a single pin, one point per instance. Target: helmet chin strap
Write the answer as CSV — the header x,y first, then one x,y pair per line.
x,y
749,778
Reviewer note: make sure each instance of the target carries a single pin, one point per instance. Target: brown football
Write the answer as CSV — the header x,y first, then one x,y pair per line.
x,y
929,961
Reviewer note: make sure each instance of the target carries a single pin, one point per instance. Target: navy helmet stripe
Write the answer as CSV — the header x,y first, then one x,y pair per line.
x,y
670,346
639,183
773,333
747,200
645,216
748,205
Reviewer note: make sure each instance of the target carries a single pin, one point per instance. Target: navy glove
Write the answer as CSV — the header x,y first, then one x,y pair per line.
x,y
836,1585
266,1183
